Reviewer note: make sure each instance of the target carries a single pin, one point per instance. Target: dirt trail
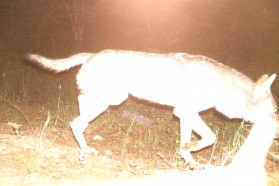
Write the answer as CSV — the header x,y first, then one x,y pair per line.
x,y
28,160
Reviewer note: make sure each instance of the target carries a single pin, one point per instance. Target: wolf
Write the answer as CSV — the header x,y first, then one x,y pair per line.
x,y
188,83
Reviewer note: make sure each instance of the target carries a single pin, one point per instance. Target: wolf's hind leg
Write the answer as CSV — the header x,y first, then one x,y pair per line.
x,y
89,108
78,127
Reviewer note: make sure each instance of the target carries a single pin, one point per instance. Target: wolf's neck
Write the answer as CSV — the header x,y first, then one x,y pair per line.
x,y
253,152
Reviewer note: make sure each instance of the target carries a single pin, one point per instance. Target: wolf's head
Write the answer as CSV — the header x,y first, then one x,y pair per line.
x,y
263,107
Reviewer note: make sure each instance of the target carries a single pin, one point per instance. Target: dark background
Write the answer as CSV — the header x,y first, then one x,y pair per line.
x,y
242,34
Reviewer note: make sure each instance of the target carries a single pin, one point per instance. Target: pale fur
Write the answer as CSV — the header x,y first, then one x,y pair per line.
x,y
188,83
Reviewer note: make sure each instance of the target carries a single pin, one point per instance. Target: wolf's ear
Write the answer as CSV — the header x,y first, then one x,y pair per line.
x,y
262,87
266,81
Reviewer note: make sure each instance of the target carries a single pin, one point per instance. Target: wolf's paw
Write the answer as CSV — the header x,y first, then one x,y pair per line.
x,y
196,145
87,150
191,163
186,155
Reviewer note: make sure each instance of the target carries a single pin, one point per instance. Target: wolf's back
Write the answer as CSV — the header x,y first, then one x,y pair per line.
x,y
59,65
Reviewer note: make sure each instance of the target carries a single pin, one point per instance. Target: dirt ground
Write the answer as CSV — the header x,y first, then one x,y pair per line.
x,y
34,155
31,160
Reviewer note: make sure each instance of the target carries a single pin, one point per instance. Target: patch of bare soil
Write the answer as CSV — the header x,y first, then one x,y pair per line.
x,y
36,159
29,160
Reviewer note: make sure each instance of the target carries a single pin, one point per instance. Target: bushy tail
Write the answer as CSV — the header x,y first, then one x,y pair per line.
x,y
59,65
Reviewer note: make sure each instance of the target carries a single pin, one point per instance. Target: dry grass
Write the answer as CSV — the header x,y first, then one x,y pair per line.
x,y
128,147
